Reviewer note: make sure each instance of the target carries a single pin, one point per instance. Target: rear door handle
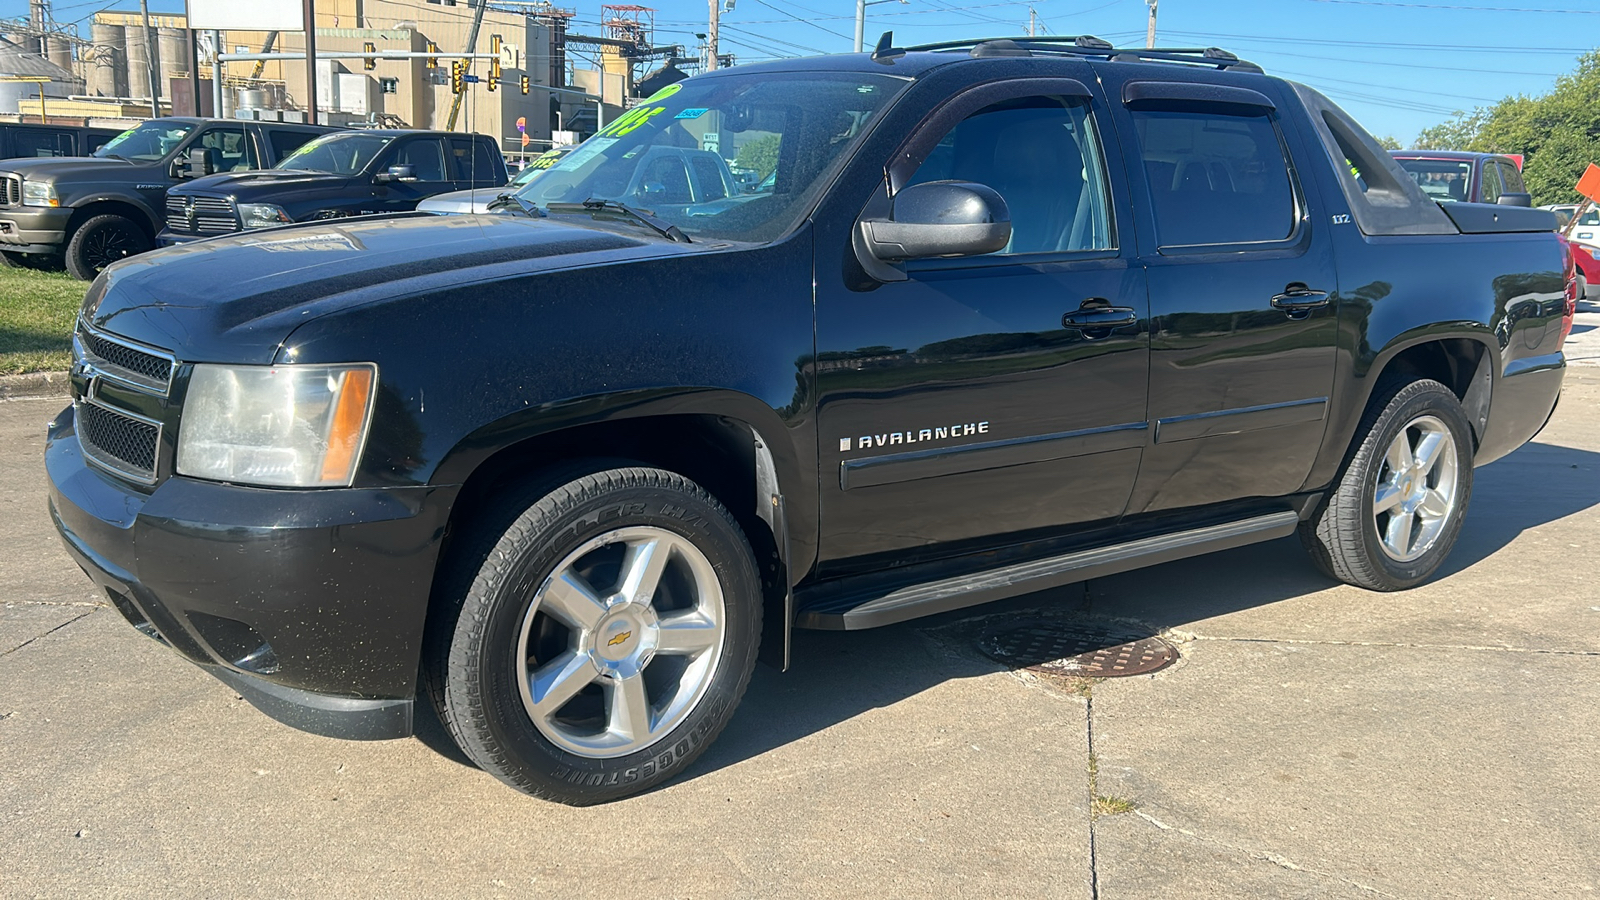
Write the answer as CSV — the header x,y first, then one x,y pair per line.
x,y
1100,317
1297,297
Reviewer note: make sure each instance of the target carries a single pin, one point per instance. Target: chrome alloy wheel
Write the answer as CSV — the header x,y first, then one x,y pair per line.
x,y
1416,489
620,642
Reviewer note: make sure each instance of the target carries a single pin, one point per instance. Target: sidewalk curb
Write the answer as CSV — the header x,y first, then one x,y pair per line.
x,y
35,386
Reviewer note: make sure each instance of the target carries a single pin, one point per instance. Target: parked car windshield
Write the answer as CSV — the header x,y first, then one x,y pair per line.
x,y
345,153
671,156
1440,179
149,141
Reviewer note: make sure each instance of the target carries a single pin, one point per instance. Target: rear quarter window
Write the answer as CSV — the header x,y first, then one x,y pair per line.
x,y
1215,178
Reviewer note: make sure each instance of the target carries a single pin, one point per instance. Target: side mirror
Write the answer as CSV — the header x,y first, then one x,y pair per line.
x,y
1515,199
199,164
936,219
395,173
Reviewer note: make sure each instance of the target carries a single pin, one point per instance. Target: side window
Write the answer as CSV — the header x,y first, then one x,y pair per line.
x,y
1215,178
229,148
42,143
709,177
424,156
1490,191
96,141
1042,155
286,142
473,160
1512,178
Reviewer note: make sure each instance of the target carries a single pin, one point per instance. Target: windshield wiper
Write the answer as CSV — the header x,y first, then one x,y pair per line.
x,y
596,205
508,201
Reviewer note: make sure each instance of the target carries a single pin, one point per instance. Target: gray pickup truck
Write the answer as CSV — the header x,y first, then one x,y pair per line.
x,y
90,211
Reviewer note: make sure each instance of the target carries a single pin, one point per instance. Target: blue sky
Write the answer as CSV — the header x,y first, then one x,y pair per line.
x,y
1397,65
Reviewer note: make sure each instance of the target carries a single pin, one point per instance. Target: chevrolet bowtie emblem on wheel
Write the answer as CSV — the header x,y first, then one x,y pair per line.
x,y
619,639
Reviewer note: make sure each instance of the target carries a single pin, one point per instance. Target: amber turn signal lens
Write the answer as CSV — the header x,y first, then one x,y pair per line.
x,y
348,426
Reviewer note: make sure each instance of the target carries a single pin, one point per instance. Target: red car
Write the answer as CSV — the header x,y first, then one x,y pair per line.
x,y
1588,270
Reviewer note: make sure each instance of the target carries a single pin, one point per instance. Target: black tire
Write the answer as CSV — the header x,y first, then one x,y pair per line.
x,y
474,663
1343,536
101,241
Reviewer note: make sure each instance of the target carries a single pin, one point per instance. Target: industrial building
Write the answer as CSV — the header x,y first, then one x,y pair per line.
x,y
574,82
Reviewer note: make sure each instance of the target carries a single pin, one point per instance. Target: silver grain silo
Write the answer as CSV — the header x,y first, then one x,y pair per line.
x,y
140,54
108,72
58,49
174,54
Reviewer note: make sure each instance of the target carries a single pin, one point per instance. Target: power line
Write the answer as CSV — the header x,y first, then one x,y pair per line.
x,y
800,19
1516,9
1387,45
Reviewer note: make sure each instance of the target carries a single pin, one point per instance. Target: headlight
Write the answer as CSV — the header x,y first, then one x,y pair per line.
x,y
262,215
39,193
287,426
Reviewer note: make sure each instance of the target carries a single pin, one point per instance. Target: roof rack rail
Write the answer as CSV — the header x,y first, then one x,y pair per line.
x,y
1091,46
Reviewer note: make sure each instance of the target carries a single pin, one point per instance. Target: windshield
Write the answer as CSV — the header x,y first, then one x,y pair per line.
x,y
673,155
1589,218
1440,179
342,154
149,141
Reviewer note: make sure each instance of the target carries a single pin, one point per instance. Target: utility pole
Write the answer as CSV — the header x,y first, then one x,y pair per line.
x,y
472,47
711,35
216,73
1033,21
1150,33
150,58
309,11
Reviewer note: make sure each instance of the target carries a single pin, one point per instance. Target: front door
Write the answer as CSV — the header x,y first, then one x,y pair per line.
x,y
1242,284
429,174
961,408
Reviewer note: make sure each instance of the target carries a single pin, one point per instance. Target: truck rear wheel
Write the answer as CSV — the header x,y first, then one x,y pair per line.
x,y
605,636
101,241
1397,509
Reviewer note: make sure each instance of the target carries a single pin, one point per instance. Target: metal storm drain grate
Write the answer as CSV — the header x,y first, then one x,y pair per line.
x,y
1061,648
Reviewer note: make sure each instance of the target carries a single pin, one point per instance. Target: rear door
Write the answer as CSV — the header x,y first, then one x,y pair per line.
x,y
1242,287
475,164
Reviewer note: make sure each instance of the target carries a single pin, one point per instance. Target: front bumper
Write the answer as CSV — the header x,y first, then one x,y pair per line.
x,y
310,603
34,229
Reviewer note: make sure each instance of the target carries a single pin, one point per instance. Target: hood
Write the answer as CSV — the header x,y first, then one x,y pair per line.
x,y
237,298
56,168
456,203
242,184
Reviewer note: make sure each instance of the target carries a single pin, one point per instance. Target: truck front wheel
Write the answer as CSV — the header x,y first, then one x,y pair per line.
x,y
101,241
605,637
1397,509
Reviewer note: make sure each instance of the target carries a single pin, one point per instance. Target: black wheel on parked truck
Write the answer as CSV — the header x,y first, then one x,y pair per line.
x,y
1396,510
600,634
101,241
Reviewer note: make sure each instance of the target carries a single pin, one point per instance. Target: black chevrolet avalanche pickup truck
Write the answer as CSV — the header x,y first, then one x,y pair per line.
x,y
1006,315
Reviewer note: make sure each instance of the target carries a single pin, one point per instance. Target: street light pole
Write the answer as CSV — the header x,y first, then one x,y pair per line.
x,y
861,19
309,10
1150,33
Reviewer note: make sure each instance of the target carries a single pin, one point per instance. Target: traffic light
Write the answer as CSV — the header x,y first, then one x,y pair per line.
x,y
458,75
433,61
525,82
369,63
494,44
494,72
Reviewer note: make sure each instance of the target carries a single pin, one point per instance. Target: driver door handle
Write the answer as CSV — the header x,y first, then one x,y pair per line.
x,y
1100,317
1298,297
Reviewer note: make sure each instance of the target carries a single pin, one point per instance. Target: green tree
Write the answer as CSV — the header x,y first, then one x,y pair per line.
x,y
1558,133
759,155
1390,142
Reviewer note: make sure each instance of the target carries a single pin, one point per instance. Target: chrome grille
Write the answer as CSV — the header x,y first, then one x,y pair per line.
x,y
11,190
210,215
149,366
117,441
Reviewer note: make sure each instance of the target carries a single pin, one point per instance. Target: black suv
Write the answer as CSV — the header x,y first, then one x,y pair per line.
x,y
1003,316
355,173
94,210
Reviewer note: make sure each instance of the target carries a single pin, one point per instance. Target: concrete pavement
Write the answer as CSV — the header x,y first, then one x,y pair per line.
x,y
1314,741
